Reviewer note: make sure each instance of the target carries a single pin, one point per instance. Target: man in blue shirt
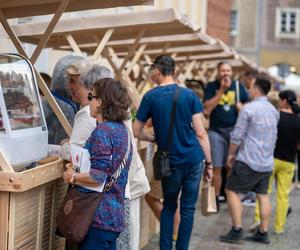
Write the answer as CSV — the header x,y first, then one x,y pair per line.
x,y
189,146
223,99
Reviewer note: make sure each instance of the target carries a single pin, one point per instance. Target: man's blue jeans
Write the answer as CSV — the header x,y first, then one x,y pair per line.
x,y
187,180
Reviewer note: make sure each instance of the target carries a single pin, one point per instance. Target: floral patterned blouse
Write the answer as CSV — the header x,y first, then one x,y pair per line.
x,y
107,146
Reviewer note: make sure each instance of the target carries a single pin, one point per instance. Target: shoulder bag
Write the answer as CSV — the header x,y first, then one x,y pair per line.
x,y
161,159
78,209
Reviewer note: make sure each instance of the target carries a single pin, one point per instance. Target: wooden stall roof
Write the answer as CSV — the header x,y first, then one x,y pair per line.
x,y
126,26
183,50
153,43
225,55
24,8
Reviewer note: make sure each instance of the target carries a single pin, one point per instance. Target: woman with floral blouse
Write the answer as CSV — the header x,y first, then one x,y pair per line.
x,y
107,145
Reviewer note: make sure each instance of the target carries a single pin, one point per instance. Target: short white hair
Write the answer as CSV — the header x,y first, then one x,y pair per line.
x,y
93,74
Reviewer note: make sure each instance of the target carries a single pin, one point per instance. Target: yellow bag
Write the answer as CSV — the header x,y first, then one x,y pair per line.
x,y
208,199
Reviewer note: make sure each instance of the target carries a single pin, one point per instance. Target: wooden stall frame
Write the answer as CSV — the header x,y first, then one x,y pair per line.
x,y
41,83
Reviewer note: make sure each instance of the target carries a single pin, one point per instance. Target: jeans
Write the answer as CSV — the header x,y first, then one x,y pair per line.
x,y
187,180
98,239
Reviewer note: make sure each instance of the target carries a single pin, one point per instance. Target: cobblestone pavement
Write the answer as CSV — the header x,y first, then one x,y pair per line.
x,y
207,230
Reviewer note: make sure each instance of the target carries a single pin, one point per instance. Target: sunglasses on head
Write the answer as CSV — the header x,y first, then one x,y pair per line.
x,y
91,96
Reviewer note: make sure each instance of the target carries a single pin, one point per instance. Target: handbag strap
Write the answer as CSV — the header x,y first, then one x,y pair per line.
x,y
172,116
115,176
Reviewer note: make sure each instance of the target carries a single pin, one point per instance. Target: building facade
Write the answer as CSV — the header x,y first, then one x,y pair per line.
x,y
268,32
280,34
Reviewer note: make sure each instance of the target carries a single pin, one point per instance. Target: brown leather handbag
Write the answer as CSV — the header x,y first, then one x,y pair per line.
x,y
76,214
78,209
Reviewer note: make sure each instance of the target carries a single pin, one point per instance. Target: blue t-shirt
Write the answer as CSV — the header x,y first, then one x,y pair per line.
x,y
225,114
157,104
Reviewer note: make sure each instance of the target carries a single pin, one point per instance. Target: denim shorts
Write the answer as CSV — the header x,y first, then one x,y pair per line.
x,y
219,148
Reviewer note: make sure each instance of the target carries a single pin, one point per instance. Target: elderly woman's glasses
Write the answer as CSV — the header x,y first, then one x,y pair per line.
x,y
91,96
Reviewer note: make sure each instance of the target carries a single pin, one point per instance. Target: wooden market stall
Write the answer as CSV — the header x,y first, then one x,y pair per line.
x,y
28,199
125,40
130,34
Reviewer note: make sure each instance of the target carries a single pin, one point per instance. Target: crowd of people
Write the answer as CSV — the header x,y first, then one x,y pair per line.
x,y
248,138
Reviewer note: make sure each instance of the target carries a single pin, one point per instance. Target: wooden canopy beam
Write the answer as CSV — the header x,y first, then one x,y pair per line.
x,y
189,68
14,38
135,59
4,163
73,44
102,43
130,52
63,5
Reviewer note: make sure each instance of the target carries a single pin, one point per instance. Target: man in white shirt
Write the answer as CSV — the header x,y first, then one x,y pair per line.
x,y
80,85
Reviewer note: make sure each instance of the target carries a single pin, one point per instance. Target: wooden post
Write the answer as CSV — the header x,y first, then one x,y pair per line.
x,y
41,216
147,80
11,220
213,75
73,44
52,102
4,164
130,53
4,216
189,68
102,43
165,48
135,59
63,5
174,56
132,91
110,60
15,40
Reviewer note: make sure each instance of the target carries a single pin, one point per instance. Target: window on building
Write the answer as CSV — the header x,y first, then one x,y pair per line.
x,y
233,22
287,23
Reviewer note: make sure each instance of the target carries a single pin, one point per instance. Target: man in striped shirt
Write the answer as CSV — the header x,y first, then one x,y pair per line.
x,y
251,151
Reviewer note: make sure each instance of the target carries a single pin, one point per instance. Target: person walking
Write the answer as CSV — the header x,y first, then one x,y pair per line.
x,y
250,156
189,147
285,153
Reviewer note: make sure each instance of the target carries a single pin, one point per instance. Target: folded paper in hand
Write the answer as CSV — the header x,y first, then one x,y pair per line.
x,y
81,161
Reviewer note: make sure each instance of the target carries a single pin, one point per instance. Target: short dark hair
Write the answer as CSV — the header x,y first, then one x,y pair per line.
x,y
115,99
251,73
223,63
263,83
165,64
